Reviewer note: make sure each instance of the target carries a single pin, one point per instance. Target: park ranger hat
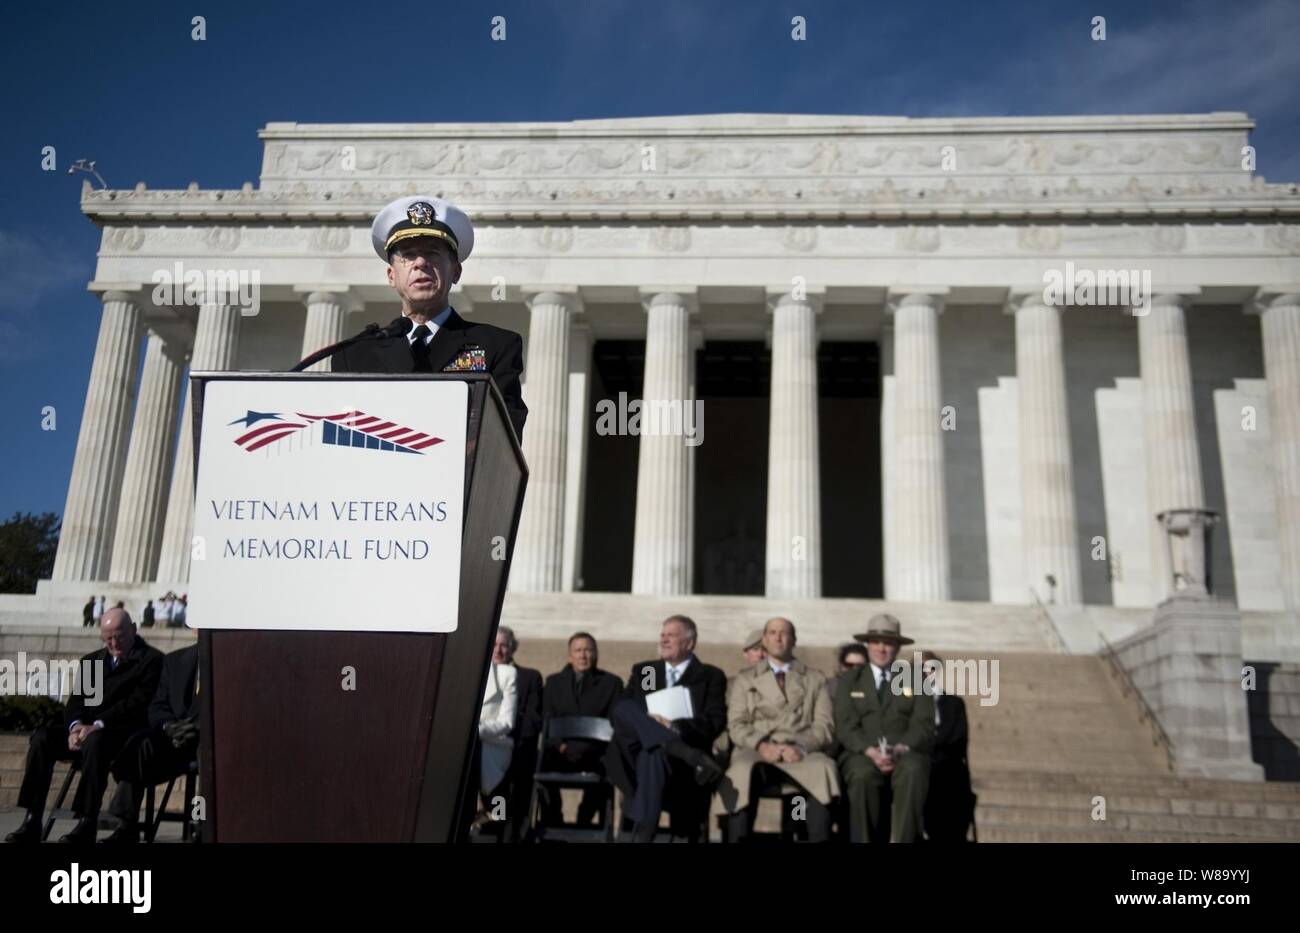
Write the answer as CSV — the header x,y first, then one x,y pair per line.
x,y
885,628
754,640
421,215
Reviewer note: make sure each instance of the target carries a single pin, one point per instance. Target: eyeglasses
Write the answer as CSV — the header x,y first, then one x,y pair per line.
x,y
408,258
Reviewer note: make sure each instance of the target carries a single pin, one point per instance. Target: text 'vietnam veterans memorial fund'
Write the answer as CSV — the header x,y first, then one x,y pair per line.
x,y
298,547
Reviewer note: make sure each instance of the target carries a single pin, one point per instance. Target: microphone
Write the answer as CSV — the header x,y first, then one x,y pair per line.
x,y
399,327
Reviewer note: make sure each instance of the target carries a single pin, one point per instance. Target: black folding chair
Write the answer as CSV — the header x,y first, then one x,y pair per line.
x,y
560,729
775,789
153,819
58,812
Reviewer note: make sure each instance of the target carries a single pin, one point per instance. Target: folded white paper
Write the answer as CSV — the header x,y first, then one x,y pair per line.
x,y
671,703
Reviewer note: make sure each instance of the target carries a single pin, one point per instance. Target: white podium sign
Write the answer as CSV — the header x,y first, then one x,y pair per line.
x,y
329,505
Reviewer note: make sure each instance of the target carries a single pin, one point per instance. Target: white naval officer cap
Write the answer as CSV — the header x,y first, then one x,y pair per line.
x,y
421,215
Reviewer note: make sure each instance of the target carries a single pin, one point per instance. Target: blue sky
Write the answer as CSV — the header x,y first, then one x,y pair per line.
x,y
124,84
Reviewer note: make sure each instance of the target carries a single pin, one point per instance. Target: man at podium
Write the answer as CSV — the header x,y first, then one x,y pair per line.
x,y
424,240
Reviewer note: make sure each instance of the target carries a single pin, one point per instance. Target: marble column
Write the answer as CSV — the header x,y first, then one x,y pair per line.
x,y
661,542
148,465
1173,457
692,449
90,512
216,342
327,311
918,553
539,550
1280,324
575,466
794,521
1049,524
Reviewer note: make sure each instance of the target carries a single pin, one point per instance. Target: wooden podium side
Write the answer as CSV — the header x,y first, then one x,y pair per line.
x,y
287,755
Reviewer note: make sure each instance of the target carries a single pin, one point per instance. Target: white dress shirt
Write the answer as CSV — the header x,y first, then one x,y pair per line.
x,y
673,672
880,674
439,320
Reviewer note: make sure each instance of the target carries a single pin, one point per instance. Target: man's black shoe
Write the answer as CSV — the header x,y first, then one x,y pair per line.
x,y
29,831
123,835
706,770
83,833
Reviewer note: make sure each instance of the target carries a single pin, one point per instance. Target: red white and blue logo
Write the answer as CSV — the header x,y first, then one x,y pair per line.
x,y
345,429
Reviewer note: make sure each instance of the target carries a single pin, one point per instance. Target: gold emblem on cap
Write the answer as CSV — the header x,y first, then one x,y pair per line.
x,y
420,214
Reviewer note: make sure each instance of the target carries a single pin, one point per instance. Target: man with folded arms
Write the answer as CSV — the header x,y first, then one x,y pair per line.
x,y
780,722
886,738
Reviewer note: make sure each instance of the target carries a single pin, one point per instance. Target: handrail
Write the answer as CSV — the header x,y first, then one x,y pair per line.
x,y
1145,711
1051,623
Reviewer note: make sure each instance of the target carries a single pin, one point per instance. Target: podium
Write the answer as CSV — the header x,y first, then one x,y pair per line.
x,y
342,734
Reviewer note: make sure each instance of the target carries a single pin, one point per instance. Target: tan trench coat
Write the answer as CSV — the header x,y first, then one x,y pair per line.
x,y
757,711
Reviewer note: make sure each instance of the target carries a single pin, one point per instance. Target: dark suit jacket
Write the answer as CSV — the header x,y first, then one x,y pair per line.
x,y
127,691
600,691
503,351
528,709
175,699
708,687
952,736
861,719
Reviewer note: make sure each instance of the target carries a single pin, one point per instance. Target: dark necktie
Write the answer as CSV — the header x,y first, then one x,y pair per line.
x,y
882,691
780,680
420,350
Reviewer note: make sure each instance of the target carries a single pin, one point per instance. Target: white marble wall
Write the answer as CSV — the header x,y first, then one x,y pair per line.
x,y
1123,471
999,429
977,343
1246,452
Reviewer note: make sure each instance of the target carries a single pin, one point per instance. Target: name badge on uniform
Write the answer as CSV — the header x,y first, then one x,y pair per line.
x,y
857,695
471,359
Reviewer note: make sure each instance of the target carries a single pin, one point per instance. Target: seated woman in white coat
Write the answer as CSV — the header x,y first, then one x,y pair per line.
x,y
495,722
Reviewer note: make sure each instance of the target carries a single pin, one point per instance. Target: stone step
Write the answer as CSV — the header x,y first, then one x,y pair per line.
x,y
1139,803
1162,784
1080,818
11,783
997,833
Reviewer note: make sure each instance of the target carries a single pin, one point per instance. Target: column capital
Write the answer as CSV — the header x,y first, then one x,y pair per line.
x,y
909,296
119,295
567,296
1165,296
172,349
1024,297
338,294
1267,297
686,296
341,295
814,296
